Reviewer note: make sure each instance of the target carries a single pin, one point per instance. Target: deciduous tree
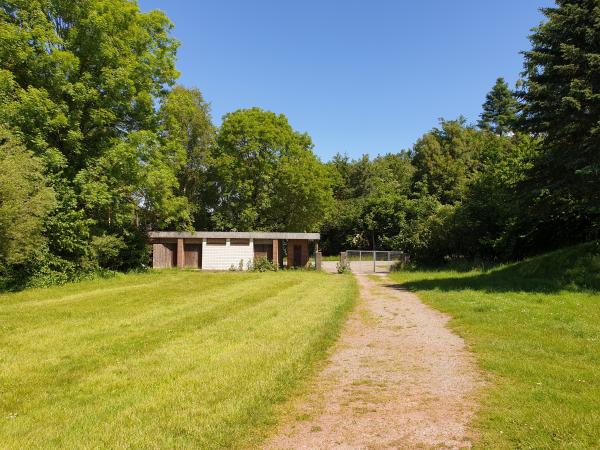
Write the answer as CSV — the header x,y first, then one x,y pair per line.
x,y
266,175
79,82
186,122
25,201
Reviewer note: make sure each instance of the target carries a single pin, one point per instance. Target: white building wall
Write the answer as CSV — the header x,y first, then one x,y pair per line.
x,y
221,257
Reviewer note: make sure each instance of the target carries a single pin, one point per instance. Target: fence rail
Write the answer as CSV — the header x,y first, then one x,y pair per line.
x,y
374,260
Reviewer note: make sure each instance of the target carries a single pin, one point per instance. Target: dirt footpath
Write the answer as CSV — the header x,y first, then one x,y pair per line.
x,y
397,378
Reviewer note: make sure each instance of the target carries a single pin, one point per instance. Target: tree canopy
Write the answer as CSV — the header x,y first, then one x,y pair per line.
x,y
266,175
186,123
78,85
25,201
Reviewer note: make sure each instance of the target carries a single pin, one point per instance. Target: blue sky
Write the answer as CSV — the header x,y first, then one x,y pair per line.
x,y
359,76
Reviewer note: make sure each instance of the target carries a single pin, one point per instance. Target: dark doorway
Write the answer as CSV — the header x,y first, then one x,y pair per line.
x,y
297,255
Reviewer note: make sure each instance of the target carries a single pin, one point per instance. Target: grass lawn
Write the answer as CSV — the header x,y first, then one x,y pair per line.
x,y
537,333
163,359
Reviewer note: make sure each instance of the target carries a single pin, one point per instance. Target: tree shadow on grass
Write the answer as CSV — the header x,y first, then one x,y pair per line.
x,y
481,282
575,269
500,281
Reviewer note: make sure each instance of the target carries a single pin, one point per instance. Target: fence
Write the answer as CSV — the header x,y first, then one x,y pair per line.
x,y
362,261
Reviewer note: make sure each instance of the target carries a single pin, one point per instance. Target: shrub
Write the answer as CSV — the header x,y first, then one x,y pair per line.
x,y
343,266
107,249
262,264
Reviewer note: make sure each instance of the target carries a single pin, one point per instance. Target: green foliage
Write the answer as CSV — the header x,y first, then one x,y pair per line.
x,y
134,181
343,266
369,196
487,222
107,250
267,176
302,193
499,110
453,197
78,84
103,64
447,158
187,123
25,202
561,103
86,88
262,264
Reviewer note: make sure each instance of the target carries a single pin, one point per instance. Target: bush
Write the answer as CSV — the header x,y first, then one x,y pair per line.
x,y
343,266
51,271
262,264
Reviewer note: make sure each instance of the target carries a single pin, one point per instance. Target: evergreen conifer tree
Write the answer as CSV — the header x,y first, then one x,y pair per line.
x,y
499,110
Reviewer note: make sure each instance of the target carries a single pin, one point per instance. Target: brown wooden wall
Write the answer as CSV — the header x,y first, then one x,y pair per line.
x,y
164,255
193,256
295,258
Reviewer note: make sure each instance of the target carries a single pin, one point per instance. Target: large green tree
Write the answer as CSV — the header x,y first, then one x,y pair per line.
x,y
79,82
186,122
499,110
370,197
561,103
446,159
266,175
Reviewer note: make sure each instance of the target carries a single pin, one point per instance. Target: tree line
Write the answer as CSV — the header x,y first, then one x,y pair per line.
x,y
99,145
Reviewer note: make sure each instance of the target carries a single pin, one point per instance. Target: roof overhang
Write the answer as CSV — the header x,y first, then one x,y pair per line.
x,y
232,235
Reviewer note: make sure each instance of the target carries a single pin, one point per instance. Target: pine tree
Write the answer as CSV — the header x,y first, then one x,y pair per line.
x,y
561,96
499,110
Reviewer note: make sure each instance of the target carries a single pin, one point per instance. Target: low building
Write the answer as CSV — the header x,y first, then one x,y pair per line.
x,y
217,250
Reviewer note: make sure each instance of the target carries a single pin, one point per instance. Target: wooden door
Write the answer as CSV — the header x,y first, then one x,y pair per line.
x,y
164,255
193,256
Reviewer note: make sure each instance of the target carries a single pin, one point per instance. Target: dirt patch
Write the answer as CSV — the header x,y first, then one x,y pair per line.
x,y
398,378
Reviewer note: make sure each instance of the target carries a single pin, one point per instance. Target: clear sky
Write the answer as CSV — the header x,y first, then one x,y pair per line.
x,y
360,76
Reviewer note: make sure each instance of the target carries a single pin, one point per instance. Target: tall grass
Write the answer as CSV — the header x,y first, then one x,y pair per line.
x,y
170,359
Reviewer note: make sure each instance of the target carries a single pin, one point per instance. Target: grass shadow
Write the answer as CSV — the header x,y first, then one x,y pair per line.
x,y
488,282
572,269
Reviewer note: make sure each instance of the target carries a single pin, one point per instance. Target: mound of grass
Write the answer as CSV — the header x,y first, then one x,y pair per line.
x,y
161,360
535,328
573,268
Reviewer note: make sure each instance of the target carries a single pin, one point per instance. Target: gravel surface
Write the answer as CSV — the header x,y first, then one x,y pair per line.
x,y
397,378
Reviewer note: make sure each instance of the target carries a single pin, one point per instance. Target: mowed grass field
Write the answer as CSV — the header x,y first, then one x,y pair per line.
x,y
535,328
162,359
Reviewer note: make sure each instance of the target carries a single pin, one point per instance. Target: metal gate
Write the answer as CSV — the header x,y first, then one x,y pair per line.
x,y
374,261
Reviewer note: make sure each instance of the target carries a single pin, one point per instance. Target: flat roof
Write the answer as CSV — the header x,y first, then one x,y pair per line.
x,y
233,235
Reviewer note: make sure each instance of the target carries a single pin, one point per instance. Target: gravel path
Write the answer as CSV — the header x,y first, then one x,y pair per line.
x,y
397,378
